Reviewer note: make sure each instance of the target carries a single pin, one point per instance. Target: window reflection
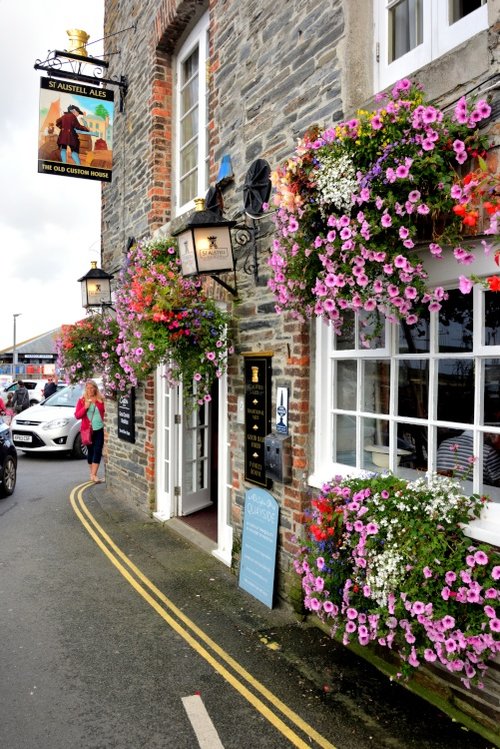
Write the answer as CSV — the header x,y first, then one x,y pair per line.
x,y
345,386
344,447
455,390
492,392
455,322
345,340
415,338
413,388
375,444
376,384
491,319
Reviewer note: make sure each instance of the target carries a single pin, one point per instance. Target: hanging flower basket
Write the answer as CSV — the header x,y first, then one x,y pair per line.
x,y
354,201
165,318
87,349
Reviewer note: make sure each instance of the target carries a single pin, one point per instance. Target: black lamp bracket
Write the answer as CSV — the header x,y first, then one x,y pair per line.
x,y
67,65
245,237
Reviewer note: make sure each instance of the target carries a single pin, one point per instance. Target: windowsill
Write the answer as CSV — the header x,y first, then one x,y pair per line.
x,y
487,527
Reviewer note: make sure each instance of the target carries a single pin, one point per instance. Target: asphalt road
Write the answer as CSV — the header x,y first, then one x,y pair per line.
x,y
115,632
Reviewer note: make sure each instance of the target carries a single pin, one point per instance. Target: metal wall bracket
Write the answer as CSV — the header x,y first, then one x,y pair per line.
x,y
55,64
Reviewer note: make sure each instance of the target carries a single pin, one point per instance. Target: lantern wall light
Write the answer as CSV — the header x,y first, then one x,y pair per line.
x,y
96,287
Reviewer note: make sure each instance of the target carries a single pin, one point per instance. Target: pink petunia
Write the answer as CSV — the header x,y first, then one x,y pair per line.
x,y
480,557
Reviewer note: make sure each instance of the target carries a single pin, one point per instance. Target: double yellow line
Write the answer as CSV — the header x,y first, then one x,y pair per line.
x,y
195,637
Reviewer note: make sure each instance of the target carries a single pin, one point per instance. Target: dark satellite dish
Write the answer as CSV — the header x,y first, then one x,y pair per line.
x,y
257,187
214,201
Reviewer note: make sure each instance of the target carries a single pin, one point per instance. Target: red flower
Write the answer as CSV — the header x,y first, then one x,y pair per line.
x,y
470,219
494,283
460,209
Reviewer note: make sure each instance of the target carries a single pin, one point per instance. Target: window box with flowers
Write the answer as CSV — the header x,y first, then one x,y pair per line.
x,y
385,563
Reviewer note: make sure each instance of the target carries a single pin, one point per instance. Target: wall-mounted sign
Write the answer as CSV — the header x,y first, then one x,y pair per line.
x,y
258,550
126,416
281,424
257,416
75,134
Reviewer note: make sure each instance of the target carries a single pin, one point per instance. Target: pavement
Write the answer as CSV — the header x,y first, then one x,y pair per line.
x,y
325,672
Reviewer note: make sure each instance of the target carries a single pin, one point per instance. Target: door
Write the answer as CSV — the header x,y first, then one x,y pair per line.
x,y
168,446
196,461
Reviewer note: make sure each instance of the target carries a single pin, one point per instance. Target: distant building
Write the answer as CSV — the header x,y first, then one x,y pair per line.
x,y
36,356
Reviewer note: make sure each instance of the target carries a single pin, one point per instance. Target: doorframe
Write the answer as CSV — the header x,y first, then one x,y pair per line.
x,y
167,505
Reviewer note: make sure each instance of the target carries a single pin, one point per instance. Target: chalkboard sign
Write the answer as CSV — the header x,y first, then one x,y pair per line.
x,y
126,416
258,551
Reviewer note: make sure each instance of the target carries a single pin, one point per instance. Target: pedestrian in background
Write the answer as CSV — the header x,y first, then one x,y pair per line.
x,y
50,386
9,409
90,409
21,399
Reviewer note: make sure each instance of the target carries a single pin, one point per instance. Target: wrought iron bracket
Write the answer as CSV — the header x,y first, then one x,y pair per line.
x,y
245,236
57,59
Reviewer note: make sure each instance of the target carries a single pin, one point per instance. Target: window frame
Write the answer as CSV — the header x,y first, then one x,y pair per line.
x,y
439,37
324,466
196,39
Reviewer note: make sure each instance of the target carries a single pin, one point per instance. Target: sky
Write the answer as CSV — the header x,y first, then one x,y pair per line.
x,y
49,224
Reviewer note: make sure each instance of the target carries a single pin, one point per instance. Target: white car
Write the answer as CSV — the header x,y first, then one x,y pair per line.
x,y
34,387
51,426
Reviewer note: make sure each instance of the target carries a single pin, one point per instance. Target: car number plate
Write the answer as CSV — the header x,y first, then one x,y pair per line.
x,y
22,438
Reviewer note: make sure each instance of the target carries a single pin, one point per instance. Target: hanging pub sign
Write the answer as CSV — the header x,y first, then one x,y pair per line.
x,y
257,415
126,416
75,134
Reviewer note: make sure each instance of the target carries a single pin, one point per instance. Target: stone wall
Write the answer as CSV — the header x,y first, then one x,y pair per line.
x,y
275,69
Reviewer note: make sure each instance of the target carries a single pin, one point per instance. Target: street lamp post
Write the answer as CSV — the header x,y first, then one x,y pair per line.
x,y
14,354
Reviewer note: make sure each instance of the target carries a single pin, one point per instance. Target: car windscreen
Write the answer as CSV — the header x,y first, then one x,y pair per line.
x,y
66,397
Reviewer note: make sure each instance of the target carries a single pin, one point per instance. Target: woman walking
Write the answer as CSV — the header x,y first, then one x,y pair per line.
x,y
90,409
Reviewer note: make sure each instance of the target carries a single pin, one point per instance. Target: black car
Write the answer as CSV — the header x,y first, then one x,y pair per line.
x,y
8,462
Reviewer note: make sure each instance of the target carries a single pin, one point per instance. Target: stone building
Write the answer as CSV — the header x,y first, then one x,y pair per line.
x,y
222,78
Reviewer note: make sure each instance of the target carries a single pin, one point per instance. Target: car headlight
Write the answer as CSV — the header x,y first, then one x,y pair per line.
x,y
55,424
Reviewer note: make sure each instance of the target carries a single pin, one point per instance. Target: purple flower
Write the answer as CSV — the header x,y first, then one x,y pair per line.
x,y
429,655
414,196
495,625
427,572
495,572
386,220
465,284
351,613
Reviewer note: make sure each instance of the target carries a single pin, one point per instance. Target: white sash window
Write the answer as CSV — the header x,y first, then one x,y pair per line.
x,y
412,33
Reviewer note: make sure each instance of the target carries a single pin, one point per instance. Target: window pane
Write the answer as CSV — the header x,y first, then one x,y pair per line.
x,y
344,439
456,390
492,318
345,341
412,446
376,381
371,330
189,156
405,28
413,390
189,95
491,460
415,339
189,187
345,385
461,8
189,126
375,444
455,322
492,391
455,453
190,67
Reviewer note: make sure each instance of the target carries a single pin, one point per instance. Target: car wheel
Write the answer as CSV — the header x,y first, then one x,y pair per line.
x,y
79,450
8,475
